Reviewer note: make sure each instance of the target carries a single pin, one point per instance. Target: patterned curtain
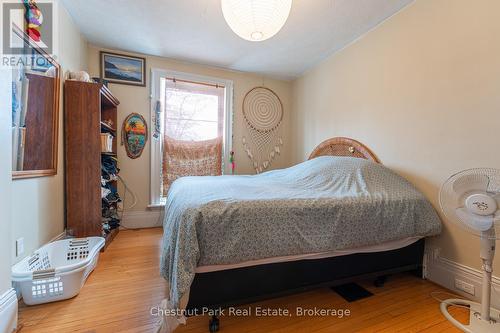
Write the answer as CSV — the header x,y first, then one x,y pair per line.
x,y
193,136
190,158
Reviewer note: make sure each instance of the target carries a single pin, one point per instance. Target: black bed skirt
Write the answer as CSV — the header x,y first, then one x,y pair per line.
x,y
239,286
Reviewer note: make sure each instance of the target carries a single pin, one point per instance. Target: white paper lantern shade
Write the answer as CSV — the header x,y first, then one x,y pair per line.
x,y
256,20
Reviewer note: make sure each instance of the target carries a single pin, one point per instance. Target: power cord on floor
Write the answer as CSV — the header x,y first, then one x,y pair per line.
x,y
122,211
434,293
127,189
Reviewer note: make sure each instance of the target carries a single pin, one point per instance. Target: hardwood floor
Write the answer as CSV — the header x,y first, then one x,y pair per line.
x,y
120,293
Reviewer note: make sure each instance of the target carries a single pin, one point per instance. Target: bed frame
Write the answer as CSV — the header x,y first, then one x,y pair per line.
x,y
222,289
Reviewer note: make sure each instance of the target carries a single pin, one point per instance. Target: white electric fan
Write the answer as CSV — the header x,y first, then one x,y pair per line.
x,y
471,199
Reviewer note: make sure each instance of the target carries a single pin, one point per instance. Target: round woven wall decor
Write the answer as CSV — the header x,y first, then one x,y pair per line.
x,y
262,109
263,113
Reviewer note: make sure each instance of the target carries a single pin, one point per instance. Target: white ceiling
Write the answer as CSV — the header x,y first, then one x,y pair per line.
x,y
195,31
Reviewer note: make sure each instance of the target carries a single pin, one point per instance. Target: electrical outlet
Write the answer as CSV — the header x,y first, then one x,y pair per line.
x,y
436,253
465,287
19,247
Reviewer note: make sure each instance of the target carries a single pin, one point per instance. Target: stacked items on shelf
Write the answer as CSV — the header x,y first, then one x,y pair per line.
x,y
107,138
109,193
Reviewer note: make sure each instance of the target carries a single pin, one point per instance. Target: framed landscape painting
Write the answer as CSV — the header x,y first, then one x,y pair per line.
x,y
123,69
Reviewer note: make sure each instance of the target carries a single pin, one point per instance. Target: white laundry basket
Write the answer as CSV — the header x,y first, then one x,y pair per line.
x,y
57,270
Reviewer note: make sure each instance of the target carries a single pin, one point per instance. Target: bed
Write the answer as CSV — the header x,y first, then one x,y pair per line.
x,y
337,217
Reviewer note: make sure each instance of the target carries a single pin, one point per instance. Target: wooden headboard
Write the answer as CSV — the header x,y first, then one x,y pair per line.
x,y
344,147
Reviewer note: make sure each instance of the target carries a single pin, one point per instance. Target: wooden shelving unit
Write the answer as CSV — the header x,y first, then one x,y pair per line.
x,y
109,237
103,124
88,108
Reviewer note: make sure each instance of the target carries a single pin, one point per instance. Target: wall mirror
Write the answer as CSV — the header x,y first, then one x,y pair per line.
x,y
35,111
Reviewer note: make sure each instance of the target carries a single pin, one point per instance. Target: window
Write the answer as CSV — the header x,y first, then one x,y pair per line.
x,y
191,117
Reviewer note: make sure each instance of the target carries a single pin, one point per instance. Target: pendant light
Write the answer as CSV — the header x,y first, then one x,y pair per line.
x,y
256,20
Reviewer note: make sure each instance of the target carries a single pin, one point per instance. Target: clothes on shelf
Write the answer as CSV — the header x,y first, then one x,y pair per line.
x,y
109,193
109,165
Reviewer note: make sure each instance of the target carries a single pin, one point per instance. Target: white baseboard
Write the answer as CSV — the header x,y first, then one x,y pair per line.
x,y
443,271
142,219
8,311
62,235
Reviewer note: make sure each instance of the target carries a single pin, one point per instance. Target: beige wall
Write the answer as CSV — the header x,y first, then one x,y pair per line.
x,y
5,179
136,99
38,204
422,90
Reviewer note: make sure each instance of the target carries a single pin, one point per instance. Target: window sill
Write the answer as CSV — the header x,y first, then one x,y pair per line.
x,y
156,206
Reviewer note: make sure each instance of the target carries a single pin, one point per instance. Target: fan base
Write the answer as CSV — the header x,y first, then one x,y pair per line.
x,y
476,324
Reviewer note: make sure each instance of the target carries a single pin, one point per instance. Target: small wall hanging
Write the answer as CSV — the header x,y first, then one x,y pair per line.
x,y
34,18
134,135
263,113
232,162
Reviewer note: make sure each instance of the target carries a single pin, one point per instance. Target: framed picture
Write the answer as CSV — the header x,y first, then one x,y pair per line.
x,y
123,69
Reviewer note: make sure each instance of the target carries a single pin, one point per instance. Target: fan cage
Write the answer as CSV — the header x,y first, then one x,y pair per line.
x,y
450,200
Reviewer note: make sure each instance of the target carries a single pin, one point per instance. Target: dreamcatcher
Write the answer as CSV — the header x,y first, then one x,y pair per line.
x,y
263,113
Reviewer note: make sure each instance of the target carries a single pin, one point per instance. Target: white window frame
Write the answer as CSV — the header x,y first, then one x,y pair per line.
x,y
156,144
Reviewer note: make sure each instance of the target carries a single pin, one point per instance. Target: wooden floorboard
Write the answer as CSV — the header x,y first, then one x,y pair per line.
x,y
120,293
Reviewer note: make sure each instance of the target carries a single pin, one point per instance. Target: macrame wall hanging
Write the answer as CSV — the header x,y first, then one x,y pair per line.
x,y
263,113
